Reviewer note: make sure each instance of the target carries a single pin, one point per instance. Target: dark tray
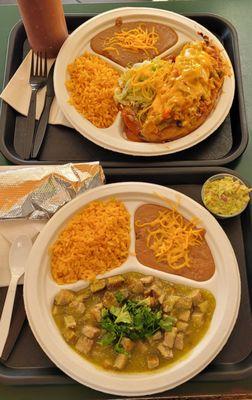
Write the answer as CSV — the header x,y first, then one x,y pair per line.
x,y
27,364
64,144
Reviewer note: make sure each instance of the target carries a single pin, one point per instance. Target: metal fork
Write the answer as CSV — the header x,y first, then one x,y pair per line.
x,y
38,78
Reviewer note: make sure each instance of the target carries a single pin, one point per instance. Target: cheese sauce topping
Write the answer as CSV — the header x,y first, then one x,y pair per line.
x,y
171,98
188,92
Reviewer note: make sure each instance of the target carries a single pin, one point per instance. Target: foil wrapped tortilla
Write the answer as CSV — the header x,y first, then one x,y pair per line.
x,y
37,192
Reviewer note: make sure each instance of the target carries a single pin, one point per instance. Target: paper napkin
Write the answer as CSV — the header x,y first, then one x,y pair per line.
x,y
19,83
9,230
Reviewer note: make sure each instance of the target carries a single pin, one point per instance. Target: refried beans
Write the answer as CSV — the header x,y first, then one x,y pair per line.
x,y
165,36
201,266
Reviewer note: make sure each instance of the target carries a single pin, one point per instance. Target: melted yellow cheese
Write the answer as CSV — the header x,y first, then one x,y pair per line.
x,y
197,74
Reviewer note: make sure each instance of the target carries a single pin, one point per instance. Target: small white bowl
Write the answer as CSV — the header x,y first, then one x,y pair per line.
x,y
217,177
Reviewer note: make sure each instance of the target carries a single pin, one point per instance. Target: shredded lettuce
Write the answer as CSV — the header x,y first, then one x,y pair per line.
x,y
137,87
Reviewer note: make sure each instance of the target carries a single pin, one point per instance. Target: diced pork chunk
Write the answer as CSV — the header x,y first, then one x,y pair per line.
x,y
69,321
109,299
99,306
170,302
156,336
120,361
169,290
169,337
197,318
165,351
182,326
184,315
64,297
147,280
96,314
203,306
127,344
80,308
98,285
136,286
158,282
152,361
115,281
124,292
69,335
169,316
84,345
107,364
83,296
156,290
90,331
141,347
96,311
77,306
184,302
161,298
195,296
151,301
179,341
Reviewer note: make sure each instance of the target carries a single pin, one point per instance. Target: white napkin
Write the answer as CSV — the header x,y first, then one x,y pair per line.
x,y
19,83
9,230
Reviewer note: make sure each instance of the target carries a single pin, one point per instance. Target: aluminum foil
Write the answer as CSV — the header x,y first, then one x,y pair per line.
x,y
37,192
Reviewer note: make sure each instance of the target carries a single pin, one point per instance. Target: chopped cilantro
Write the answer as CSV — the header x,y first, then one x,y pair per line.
x,y
119,349
107,339
115,310
121,314
119,296
135,320
167,323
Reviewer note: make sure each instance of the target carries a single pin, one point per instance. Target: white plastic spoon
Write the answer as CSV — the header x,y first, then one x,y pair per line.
x,y
19,252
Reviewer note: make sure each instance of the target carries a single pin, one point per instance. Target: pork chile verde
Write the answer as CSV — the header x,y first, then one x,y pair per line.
x,y
133,322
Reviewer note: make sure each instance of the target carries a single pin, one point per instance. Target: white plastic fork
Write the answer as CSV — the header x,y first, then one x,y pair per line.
x,y
19,252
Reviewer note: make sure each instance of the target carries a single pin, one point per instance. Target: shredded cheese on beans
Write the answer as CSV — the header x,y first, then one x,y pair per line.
x,y
170,236
134,39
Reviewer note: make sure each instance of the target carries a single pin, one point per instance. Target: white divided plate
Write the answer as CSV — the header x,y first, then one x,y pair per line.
x,y
113,138
40,289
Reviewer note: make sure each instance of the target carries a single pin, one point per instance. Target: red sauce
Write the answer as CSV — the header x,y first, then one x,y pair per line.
x,y
45,24
132,126
133,136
